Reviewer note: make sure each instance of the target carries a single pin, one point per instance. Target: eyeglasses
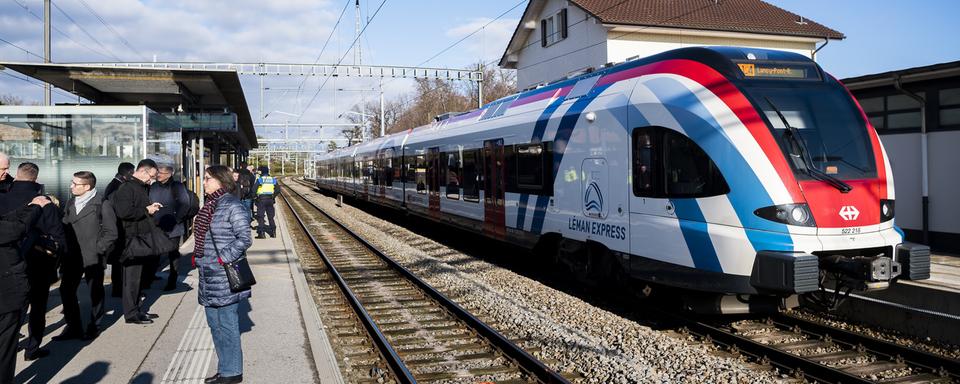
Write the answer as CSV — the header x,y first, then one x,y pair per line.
x,y
75,184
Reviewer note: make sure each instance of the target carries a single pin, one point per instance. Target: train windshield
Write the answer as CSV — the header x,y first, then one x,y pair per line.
x,y
818,126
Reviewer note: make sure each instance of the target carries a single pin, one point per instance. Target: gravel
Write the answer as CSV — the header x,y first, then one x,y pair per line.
x,y
565,332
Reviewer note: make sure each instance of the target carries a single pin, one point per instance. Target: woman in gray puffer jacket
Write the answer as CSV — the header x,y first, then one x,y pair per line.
x,y
222,235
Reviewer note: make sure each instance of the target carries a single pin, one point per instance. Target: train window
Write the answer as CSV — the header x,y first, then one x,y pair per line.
x,y
529,160
469,179
643,162
396,169
689,172
669,164
452,174
510,168
411,169
421,174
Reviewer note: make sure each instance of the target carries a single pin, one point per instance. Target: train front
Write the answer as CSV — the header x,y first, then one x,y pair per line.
x,y
842,183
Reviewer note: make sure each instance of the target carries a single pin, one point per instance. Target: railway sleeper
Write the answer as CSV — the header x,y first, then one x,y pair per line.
x,y
875,368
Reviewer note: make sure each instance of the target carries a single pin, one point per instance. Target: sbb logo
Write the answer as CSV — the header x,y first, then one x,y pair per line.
x,y
849,212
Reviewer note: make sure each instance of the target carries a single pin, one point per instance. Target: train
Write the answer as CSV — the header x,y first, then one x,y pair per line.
x,y
744,177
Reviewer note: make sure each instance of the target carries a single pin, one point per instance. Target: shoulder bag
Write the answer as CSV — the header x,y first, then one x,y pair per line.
x,y
239,275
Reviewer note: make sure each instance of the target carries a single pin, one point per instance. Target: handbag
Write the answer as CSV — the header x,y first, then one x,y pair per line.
x,y
148,245
239,275
46,245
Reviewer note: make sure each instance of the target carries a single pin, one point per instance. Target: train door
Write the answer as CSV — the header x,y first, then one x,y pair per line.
x,y
433,180
494,214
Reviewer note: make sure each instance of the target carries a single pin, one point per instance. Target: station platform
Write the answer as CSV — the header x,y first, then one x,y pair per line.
x,y
280,328
923,308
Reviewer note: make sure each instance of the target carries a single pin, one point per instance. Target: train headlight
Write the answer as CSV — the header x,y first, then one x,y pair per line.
x,y
886,210
792,214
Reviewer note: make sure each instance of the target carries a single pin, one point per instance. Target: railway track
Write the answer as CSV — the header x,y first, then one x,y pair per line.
x,y
420,335
809,350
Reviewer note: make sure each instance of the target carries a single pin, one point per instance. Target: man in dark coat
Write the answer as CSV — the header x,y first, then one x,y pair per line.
x,y
5,179
91,228
174,202
135,210
13,285
41,267
124,173
245,182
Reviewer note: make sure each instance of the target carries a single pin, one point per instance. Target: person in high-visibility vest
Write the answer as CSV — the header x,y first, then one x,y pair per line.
x,y
267,188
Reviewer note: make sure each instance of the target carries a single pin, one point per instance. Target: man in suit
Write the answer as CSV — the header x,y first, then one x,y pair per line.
x,y
5,179
14,286
174,201
91,229
132,204
124,173
41,266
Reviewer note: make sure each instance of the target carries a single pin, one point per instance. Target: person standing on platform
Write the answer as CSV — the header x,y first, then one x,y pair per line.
x,y
222,236
248,179
5,179
124,173
91,228
14,286
174,201
133,207
40,250
267,188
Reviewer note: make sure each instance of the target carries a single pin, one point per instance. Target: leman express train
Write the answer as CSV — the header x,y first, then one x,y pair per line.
x,y
745,176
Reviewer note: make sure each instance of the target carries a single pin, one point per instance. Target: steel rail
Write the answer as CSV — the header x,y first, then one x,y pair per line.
x,y
530,364
911,356
399,369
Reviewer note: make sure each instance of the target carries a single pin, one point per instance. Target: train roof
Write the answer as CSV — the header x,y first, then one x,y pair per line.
x,y
722,59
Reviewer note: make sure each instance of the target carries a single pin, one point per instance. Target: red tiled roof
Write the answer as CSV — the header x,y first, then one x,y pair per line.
x,y
751,16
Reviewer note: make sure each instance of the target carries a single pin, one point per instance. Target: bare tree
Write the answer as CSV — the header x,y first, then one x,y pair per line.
x,y
331,146
6,99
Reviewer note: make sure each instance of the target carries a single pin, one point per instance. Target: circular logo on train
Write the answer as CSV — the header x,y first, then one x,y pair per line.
x,y
593,200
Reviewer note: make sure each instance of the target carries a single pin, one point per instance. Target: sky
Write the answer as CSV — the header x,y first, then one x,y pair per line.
x,y
881,35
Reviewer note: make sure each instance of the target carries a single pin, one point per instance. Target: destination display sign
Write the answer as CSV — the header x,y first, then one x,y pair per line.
x,y
768,70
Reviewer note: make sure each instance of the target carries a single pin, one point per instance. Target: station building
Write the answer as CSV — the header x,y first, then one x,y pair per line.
x,y
557,38
916,111
187,118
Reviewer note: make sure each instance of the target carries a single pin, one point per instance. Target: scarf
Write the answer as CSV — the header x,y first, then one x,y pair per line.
x,y
202,223
81,201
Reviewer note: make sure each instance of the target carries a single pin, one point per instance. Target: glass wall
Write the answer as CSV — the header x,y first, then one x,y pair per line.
x,y
66,139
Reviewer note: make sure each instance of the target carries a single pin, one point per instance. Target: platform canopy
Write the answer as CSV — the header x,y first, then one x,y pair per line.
x,y
193,94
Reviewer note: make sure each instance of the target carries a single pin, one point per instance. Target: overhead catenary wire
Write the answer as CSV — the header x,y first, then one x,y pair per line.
x,y
21,48
110,27
325,43
58,30
84,30
28,81
346,52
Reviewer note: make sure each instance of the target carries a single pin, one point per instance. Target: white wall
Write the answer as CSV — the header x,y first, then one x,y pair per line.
x,y
944,181
903,150
585,46
622,45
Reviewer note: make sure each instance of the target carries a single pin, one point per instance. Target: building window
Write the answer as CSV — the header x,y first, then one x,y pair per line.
x,y
950,107
893,112
553,28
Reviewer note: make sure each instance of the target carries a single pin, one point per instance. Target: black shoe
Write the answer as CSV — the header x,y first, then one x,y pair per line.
x,y
36,354
139,320
226,379
91,334
273,235
261,236
212,379
67,334
149,315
